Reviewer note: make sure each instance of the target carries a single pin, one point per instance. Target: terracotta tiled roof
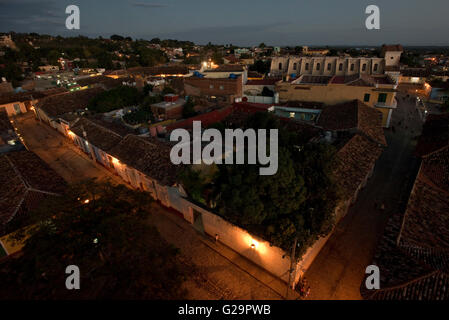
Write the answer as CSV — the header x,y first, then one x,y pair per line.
x,y
353,115
68,102
24,179
426,221
96,134
29,95
355,161
148,156
424,288
206,119
414,251
436,168
435,134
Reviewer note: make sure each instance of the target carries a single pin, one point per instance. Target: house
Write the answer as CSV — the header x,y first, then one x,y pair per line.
x,y
378,92
225,71
353,117
145,164
413,81
59,110
221,89
170,108
95,139
22,102
413,254
25,181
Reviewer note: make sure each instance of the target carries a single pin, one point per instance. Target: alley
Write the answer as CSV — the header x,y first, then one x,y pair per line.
x,y
338,270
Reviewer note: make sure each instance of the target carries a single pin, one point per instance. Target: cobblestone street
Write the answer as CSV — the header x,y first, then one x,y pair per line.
x,y
220,272
338,270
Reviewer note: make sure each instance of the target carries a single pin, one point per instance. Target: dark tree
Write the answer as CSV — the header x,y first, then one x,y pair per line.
x,y
119,254
188,110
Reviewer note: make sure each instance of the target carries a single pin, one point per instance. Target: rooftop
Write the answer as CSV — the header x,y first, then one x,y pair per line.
x,y
29,95
435,134
68,102
355,160
101,137
24,179
353,115
414,251
149,156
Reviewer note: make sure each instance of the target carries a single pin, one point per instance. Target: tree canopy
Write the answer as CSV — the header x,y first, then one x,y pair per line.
x,y
117,98
297,202
119,254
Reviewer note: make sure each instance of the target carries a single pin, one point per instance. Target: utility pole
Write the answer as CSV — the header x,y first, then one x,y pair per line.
x,y
292,266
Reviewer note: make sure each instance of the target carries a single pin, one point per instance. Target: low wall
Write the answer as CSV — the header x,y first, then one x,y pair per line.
x,y
260,99
270,258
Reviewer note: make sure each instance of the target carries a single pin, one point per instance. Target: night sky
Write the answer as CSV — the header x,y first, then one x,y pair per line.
x,y
240,22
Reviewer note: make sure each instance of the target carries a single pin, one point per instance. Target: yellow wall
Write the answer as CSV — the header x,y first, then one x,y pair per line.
x,y
9,107
334,94
330,94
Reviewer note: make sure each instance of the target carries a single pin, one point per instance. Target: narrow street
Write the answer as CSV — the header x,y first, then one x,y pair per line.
x,y
339,269
221,272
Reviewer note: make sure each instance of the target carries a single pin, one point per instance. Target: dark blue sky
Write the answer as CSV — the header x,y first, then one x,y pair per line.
x,y
241,22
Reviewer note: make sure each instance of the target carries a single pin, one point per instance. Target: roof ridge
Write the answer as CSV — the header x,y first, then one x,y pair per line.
x,y
405,284
19,174
98,125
